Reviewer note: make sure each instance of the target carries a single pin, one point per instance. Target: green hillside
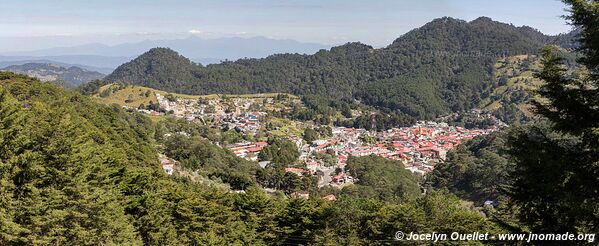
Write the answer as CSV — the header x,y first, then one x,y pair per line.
x,y
515,87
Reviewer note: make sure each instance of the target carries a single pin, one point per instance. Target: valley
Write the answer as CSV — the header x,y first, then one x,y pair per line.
x,y
214,126
251,120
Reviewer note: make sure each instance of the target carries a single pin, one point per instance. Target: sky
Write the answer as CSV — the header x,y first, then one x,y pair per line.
x,y
33,24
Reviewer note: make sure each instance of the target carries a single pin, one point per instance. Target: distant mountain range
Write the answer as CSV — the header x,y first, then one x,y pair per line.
x,y
67,76
444,66
104,58
99,64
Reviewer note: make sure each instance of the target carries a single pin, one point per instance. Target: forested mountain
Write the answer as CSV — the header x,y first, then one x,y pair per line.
x,y
443,66
101,64
11,61
68,76
569,40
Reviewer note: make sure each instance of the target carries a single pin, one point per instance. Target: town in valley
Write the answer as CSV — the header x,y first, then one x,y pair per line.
x,y
420,147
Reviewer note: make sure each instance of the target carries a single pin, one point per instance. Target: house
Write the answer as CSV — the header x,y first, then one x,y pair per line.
x,y
261,144
253,118
167,166
441,153
342,178
241,153
341,161
433,152
263,164
254,149
297,171
319,142
330,198
312,165
415,170
490,203
304,195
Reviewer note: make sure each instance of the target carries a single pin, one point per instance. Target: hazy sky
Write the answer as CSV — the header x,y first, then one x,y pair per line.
x,y
375,22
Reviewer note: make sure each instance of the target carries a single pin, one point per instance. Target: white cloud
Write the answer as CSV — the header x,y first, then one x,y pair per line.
x,y
195,31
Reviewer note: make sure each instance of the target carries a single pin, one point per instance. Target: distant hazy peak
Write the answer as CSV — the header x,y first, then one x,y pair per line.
x,y
68,76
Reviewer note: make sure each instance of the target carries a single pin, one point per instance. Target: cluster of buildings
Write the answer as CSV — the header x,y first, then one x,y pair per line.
x,y
420,147
426,144
247,150
242,114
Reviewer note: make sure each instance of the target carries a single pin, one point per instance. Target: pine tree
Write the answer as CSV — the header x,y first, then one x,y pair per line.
x,y
557,171
11,119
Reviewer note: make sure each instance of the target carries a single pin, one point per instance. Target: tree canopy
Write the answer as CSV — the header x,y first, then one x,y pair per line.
x,y
381,178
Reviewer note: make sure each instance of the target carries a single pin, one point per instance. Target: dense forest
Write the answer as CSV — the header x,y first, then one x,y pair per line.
x,y
441,67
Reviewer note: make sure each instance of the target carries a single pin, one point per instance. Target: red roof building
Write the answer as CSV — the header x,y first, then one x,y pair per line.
x,y
254,149
261,144
297,171
330,198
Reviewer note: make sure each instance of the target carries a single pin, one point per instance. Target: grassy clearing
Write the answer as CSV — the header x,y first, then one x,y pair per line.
x,y
128,96
519,74
284,128
133,96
